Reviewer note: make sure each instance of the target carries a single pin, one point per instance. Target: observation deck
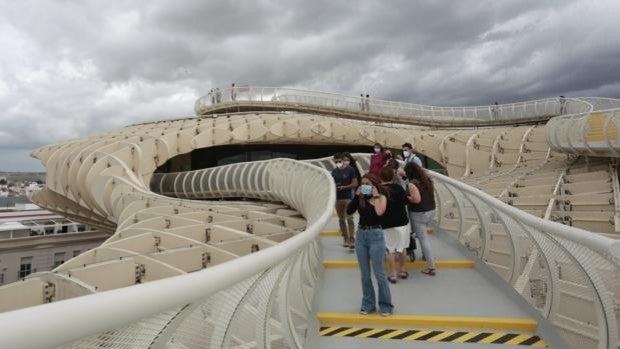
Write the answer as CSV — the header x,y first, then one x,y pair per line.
x,y
233,257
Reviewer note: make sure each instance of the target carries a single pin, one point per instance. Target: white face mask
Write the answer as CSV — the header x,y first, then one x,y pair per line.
x,y
406,153
346,163
377,149
339,165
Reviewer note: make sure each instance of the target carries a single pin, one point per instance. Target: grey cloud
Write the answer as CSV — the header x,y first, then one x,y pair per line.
x,y
69,69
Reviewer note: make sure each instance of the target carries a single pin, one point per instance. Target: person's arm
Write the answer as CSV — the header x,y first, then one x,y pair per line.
x,y
353,183
414,194
378,201
353,205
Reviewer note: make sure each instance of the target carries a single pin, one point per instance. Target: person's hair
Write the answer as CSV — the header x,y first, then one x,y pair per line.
x,y
337,156
379,145
407,145
375,182
414,171
367,96
386,174
392,163
347,155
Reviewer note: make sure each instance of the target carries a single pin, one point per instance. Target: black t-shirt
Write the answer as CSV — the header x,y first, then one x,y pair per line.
x,y
368,216
428,199
342,177
396,211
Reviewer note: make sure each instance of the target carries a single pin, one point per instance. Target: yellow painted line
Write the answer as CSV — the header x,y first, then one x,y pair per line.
x,y
468,336
518,339
416,335
371,332
344,333
393,334
331,233
440,336
328,330
440,264
430,321
436,335
492,337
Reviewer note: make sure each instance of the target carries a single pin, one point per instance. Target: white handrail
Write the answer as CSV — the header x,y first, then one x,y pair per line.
x,y
594,133
391,110
570,275
119,307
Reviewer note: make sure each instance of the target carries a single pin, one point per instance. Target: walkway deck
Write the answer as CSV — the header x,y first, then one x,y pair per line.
x,y
464,304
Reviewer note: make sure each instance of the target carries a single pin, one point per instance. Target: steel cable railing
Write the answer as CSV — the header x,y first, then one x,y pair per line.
x,y
261,298
391,111
570,275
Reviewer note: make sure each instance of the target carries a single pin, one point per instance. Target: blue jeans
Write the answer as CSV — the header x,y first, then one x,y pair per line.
x,y
370,248
419,223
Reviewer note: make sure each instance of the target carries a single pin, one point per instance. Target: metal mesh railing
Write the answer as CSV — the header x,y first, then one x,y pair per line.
x,y
259,300
593,133
570,275
395,111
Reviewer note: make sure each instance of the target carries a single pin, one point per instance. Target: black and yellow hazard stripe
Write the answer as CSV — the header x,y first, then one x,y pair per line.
x,y
434,335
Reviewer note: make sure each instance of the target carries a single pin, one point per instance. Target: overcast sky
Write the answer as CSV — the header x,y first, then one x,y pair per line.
x,y
71,68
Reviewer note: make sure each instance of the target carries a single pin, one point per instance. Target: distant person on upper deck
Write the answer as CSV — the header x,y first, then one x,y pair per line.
x,y
562,105
367,102
495,110
362,102
233,93
218,95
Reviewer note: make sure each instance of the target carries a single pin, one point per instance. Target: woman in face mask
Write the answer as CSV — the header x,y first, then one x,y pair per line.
x,y
377,160
370,201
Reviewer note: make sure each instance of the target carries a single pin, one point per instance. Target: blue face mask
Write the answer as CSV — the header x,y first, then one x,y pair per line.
x,y
366,189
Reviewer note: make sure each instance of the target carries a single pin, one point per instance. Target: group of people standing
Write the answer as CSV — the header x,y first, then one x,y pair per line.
x,y
392,203
215,94
364,102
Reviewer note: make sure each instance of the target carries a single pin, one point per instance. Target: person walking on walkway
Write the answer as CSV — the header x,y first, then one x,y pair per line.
x,y
212,96
421,209
395,224
377,160
345,179
349,160
370,201
233,92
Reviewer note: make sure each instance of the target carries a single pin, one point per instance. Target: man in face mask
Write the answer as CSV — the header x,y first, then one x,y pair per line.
x,y
409,155
345,179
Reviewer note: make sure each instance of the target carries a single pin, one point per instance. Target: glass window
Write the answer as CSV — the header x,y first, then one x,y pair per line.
x,y
25,266
59,258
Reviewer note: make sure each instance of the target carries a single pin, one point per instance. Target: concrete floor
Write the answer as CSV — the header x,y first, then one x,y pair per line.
x,y
477,292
